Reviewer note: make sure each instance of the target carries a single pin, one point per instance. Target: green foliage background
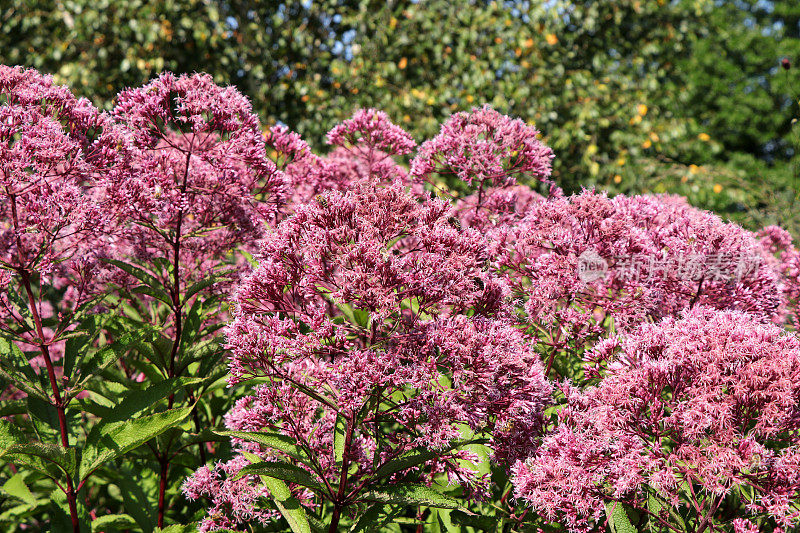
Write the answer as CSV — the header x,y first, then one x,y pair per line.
x,y
684,96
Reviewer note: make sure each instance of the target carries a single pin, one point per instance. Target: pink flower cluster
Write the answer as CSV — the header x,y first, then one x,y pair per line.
x,y
406,320
372,129
486,147
363,297
309,175
52,148
690,411
198,181
649,244
383,306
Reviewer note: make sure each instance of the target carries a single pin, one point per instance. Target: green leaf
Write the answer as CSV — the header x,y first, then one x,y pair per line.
x,y
442,517
112,521
136,401
103,358
339,433
369,519
138,273
202,284
283,471
22,383
65,459
15,368
13,407
154,293
44,418
416,457
483,523
275,441
412,494
138,491
188,528
287,504
107,441
17,488
618,519
206,435
12,358
60,516
72,347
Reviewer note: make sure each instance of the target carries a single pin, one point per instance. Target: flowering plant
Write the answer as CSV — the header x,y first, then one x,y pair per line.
x,y
204,325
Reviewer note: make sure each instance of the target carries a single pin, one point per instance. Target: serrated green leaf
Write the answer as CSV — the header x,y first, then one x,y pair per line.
x,y
137,272
136,401
44,417
275,441
179,528
482,523
201,285
109,441
65,459
72,347
618,519
158,294
368,520
17,488
113,521
339,434
287,504
416,457
22,383
12,359
412,494
283,471
13,407
103,358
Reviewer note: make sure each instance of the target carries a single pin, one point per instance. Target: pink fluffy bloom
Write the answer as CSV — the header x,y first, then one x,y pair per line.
x,y
53,148
497,208
784,257
309,175
691,411
659,256
234,500
486,147
382,309
372,128
198,180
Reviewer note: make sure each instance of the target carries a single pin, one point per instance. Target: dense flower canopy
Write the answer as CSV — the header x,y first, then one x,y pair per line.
x,y
710,399
658,257
364,295
390,340
199,181
54,148
46,161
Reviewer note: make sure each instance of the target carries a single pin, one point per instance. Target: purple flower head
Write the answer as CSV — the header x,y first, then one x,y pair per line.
x,y
372,129
486,147
710,399
658,257
198,177
51,157
383,308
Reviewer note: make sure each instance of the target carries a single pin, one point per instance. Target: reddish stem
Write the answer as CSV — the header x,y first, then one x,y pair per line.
x,y
162,489
57,402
